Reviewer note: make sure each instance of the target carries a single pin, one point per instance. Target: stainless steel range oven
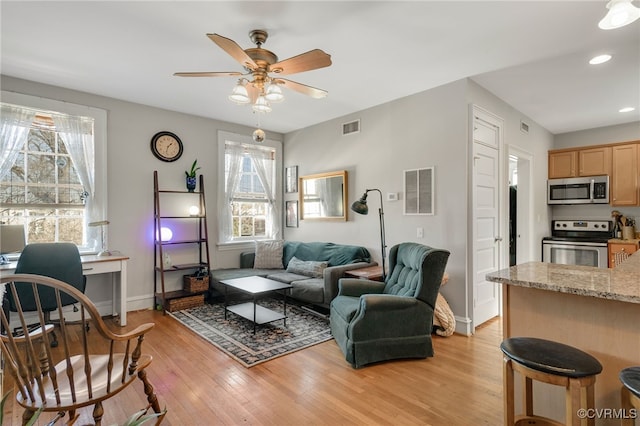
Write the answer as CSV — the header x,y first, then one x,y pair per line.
x,y
578,242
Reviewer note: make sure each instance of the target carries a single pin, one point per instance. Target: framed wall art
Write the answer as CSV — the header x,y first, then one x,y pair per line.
x,y
291,179
292,214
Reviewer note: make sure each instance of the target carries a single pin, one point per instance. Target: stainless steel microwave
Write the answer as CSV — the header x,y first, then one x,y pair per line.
x,y
580,190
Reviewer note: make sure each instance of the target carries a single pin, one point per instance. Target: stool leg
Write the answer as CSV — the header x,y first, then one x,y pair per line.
x,y
573,396
625,397
590,402
507,388
527,401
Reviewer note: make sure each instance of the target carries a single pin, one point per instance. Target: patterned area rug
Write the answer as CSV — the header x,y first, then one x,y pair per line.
x,y
235,337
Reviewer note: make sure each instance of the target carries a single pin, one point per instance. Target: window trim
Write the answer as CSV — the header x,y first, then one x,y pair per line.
x,y
99,141
224,136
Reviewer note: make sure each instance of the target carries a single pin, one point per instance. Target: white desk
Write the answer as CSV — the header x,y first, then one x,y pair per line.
x,y
94,265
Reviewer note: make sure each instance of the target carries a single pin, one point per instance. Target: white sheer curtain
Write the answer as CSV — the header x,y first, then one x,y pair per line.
x,y
264,165
15,122
77,134
233,160
263,162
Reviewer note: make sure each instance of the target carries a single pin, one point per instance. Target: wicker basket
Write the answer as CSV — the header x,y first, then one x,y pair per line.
x,y
194,284
187,302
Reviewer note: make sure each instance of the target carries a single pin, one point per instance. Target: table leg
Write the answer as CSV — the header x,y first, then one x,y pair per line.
x,y
225,301
254,314
284,292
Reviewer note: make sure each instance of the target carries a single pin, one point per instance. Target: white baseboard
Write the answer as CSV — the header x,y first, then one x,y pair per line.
x,y
464,326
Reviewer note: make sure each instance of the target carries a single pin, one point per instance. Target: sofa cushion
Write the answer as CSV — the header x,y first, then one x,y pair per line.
x,y
310,290
286,277
269,254
310,268
333,254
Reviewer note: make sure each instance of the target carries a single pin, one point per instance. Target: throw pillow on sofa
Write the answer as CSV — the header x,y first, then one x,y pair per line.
x,y
269,255
308,268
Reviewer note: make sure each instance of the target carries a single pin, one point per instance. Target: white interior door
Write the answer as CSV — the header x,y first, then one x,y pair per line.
x,y
488,241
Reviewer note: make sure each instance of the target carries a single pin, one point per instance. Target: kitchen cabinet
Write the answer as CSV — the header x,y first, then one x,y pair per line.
x,y
580,162
594,161
624,179
563,164
620,250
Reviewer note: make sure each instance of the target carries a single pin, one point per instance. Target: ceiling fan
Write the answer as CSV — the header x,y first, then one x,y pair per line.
x,y
259,85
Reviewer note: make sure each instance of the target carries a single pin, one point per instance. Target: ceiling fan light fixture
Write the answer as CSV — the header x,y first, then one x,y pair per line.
x,y
261,105
274,93
239,94
621,13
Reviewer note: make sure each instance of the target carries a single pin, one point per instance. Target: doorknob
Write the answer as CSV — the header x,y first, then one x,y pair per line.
x,y
496,239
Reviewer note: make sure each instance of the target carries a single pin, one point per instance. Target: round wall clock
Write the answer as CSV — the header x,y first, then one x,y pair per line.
x,y
166,146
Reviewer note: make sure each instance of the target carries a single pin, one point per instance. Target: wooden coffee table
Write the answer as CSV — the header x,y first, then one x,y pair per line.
x,y
256,286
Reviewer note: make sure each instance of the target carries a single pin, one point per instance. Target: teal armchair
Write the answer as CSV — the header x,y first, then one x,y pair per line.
x,y
376,321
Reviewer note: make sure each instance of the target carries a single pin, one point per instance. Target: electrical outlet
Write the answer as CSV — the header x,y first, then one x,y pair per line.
x,y
420,233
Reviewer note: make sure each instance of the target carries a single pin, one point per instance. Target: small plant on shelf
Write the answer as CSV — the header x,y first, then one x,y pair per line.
x,y
191,176
194,169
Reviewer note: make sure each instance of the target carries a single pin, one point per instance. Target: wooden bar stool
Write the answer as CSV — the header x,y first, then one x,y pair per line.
x,y
630,394
553,363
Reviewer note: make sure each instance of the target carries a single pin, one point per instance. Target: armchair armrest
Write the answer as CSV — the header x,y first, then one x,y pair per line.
x,y
332,275
382,315
356,287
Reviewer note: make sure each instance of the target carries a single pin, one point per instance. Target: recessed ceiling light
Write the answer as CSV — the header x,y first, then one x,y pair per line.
x,y
627,109
600,59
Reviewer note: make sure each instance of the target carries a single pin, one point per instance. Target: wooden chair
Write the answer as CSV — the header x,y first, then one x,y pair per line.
x,y
68,377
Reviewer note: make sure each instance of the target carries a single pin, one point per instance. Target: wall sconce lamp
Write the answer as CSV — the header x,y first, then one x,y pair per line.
x,y
361,207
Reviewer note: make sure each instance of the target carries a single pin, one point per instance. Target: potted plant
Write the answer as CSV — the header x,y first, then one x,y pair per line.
x,y
191,176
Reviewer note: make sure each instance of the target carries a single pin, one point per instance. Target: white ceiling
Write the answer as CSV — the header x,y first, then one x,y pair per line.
x,y
532,54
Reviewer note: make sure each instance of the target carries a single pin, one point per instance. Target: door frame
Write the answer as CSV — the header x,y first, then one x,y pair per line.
x,y
525,203
502,206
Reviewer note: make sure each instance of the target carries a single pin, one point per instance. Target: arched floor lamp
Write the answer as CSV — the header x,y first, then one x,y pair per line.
x,y
361,207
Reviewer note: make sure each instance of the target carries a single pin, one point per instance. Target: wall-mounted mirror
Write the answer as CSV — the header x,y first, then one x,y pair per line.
x,y
324,196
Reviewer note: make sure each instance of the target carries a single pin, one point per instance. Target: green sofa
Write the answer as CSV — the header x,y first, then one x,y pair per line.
x,y
374,321
314,288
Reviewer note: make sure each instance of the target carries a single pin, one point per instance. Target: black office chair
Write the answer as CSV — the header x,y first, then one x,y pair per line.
x,y
56,260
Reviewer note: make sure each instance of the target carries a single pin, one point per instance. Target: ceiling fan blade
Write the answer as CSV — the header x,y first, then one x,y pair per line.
x,y
207,74
302,88
307,61
233,49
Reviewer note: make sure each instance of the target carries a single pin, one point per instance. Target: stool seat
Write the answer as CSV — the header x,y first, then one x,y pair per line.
x,y
551,357
552,363
630,378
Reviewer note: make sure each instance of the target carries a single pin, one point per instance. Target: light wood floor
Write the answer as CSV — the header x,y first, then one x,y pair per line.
x,y
200,385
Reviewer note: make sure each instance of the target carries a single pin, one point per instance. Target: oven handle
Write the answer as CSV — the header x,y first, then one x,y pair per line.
x,y
574,243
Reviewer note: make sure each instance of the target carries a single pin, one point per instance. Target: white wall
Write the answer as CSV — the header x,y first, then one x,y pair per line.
x,y
130,179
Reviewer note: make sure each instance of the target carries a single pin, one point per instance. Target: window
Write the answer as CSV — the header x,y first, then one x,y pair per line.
x,y
250,190
50,181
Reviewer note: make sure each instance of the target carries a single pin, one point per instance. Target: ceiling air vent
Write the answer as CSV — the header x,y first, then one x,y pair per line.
x,y
524,127
351,127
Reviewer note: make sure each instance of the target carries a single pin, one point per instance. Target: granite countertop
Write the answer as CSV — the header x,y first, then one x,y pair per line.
x,y
621,283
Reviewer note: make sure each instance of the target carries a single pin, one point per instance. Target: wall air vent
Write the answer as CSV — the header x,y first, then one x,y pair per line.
x,y
351,127
524,127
